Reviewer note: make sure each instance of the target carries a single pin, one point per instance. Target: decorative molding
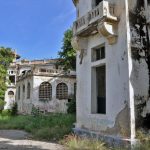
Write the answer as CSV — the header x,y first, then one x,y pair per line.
x,y
80,44
107,29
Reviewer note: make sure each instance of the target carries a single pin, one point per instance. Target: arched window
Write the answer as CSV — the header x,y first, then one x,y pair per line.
x,y
11,93
45,91
19,93
62,91
28,90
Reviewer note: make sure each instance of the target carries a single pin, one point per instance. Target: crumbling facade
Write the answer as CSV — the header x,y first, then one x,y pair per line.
x,y
41,84
113,66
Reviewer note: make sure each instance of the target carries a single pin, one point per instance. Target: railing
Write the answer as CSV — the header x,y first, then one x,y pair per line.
x,y
103,9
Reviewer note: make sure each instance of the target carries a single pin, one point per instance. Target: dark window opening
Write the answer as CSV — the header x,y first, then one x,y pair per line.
x,y
28,91
97,2
12,79
19,93
11,93
43,70
101,89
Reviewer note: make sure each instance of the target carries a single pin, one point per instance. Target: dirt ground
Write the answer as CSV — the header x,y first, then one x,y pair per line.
x,y
18,140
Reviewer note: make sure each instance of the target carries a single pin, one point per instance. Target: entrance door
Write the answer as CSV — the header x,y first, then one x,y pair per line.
x,y
101,89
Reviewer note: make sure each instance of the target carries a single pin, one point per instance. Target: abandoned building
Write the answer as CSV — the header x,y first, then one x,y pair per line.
x,y
113,67
41,84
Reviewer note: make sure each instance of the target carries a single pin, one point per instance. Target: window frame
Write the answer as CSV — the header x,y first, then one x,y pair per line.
x,y
45,91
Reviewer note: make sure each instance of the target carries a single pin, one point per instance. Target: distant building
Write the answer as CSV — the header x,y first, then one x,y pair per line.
x,y
112,39
41,84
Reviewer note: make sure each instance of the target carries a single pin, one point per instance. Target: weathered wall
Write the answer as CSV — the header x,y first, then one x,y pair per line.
x,y
54,105
117,119
140,53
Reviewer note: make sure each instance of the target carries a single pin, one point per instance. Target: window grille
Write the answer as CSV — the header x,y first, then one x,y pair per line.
x,y
45,91
62,91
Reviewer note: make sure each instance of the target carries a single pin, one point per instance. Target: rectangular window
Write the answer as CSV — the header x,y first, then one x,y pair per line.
x,y
98,53
99,90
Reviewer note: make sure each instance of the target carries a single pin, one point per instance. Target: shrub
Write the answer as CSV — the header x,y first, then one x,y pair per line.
x,y
73,142
14,109
6,112
2,103
71,106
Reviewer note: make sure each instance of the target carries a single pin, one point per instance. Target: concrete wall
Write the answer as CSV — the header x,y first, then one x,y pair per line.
x,y
140,47
116,121
53,105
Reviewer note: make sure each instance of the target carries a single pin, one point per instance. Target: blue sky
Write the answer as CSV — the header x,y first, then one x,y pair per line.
x,y
35,27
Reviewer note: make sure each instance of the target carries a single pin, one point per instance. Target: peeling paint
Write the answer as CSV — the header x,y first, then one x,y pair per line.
x,y
140,49
121,126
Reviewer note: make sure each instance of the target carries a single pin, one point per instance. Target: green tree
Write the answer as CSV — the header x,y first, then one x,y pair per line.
x,y
6,57
68,54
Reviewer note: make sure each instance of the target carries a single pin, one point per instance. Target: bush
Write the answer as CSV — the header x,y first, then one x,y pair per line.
x,y
71,106
2,103
73,142
14,109
6,112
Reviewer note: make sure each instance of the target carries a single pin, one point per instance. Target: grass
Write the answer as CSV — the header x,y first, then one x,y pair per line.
x,y
73,142
52,127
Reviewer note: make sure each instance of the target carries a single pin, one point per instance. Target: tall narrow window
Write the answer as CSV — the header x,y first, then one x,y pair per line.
x,y
62,91
28,90
75,89
45,91
23,91
99,90
19,93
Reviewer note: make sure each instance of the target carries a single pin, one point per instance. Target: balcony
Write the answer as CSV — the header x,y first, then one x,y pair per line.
x,y
87,24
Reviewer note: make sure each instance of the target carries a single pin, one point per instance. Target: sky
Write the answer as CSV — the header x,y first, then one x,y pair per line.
x,y
35,28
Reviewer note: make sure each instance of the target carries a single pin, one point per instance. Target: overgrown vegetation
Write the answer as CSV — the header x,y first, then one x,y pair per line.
x,y
6,57
52,127
71,106
68,54
73,142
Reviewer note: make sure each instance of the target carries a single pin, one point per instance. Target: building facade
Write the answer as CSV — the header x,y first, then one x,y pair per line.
x,y
41,84
113,66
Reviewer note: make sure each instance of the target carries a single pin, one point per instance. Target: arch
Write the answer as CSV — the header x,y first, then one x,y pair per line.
x,y
62,91
28,90
11,93
45,91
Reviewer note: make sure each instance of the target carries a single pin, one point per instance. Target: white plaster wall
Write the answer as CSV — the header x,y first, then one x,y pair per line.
x,y
9,101
54,105
24,104
117,75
